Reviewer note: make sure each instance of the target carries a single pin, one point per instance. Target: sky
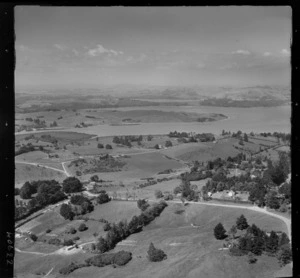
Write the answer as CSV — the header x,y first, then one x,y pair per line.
x,y
206,46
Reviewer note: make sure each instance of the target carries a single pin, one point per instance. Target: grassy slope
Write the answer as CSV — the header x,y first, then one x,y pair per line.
x,y
25,173
191,252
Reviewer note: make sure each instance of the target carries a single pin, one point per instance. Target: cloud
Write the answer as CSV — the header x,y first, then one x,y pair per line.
x,y
241,51
99,50
266,54
285,52
60,46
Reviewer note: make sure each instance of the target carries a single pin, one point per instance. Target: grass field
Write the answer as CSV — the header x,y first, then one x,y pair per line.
x,y
203,151
25,173
192,252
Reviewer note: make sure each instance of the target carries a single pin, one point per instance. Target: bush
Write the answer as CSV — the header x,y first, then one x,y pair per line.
x,y
71,230
82,227
33,237
54,241
106,227
251,259
219,231
158,194
155,255
48,231
100,146
108,147
102,198
68,242
142,204
120,258
70,268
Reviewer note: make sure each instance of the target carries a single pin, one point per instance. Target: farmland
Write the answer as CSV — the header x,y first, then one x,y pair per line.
x,y
138,170
189,249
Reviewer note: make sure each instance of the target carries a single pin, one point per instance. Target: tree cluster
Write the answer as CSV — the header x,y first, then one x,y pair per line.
x,y
72,185
48,192
122,229
155,254
103,197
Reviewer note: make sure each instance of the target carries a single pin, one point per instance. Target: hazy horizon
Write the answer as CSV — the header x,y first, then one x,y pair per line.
x,y
90,47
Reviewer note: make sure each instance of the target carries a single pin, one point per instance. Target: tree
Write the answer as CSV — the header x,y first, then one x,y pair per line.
x,y
108,147
66,212
100,146
158,194
106,227
149,137
27,190
102,245
168,144
82,227
219,231
72,185
246,137
283,240
241,223
33,237
142,204
17,191
102,198
94,178
233,231
272,200
285,254
155,255
272,243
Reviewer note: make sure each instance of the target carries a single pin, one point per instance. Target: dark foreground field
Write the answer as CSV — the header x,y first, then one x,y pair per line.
x,y
192,252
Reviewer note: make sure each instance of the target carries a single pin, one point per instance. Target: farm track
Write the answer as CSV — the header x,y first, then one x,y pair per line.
x,y
43,166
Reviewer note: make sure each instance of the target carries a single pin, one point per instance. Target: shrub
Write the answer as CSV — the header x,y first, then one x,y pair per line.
x,y
75,238
158,194
106,227
71,230
142,204
219,231
102,198
251,259
33,237
82,227
68,242
155,255
70,268
120,258
100,146
54,241
108,147
48,231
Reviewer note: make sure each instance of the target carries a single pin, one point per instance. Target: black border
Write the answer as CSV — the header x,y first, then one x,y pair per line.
x,y
7,113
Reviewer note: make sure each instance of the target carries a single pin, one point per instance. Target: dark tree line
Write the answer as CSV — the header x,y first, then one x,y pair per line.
x,y
122,229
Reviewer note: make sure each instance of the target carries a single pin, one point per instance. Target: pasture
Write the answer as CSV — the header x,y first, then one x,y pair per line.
x,y
192,252
25,173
